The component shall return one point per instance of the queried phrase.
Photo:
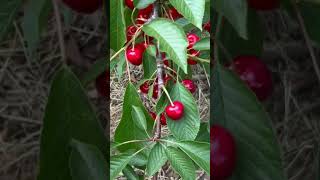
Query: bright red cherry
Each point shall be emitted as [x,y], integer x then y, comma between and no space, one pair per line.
[174,14]
[193,53]
[131,31]
[129,4]
[223,153]
[144,14]
[102,84]
[192,39]
[84,6]
[175,110]
[134,55]
[189,85]
[207,26]
[255,74]
[144,88]
[264,5]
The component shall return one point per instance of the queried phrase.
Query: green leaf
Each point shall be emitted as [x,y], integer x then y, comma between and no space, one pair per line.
[99,67]
[181,163]
[202,45]
[87,162]
[238,110]
[118,163]
[199,152]
[68,115]
[188,126]
[203,135]
[139,117]
[236,13]
[34,21]
[172,40]
[141,4]
[127,129]
[157,158]
[117,25]
[8,11]
[149,64]
[121,64]
[193,10]
[128,171]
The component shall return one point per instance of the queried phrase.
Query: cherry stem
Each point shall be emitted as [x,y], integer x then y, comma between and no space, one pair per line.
[167,94]
[128,142]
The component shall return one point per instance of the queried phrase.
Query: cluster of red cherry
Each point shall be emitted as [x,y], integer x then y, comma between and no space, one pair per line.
[258,78]
[134,55]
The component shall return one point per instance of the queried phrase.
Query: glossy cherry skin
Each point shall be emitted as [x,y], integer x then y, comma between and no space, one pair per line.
[84,6]
[163,119]
[144,14]
[102,84]
[174,14]
[192,39]
[144,88]
[193,53]
[175,111]
[134,55]
[264,5]
[223,153]
[256,75]
[189,85]
[129,3]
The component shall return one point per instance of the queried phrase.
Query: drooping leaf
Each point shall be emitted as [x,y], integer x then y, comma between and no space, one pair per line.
[118,163]
[129,173]
[172,40]
[235,12]
[199,152]
[157,158]
[127,129]
[117,25]
[68,115]
[8,11]
[181,163]
[193,10]
[188,126]
[87,162]
[139,117]
[238,110]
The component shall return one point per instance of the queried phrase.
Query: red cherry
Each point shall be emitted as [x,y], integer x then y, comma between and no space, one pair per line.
[264,5]
[255,74]
[192,39]
[129,4]
[174,14]
[175,110]
[193,53]
[189,85]
[84,6]
[102,84]
[223,153]
[144,88]
[153,115]
[131,31]
[134,55]
[207,26]
[155,92]
[163,120]
[144,14]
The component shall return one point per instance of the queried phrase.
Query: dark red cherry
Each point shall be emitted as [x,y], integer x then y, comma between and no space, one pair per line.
[174,14]
[223,153]
[144,88]
[256,75]
[192,39]
[264,5]
[207,26]
[155,91]
[175,110]
[102,84]
[144,14]
[163,119]
[134,55]
[193,53]
[153,115]
[131,31]
[84,6]
[129,4]
[189,85]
